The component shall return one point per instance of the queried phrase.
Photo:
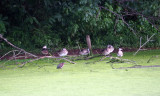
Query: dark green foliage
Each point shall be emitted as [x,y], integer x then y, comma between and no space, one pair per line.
[63,23]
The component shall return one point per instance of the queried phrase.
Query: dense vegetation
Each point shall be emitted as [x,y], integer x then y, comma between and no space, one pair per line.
[63,23]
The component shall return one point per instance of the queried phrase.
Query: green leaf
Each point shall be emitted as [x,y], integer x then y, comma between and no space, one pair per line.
[35,20]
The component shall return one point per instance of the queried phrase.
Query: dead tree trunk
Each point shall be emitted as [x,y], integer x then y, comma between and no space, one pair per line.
[89,43]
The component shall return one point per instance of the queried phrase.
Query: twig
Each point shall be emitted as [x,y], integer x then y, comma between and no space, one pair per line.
[148,21]
[98,12]
[138,66]
[16,46]
[140,41]
[115,25]
[97,52]
[43,58]
[140,14]
[143,44]
[121,17]
[103,58]
[79,47]
[7,53]
[152,58]
[68,60]
[114,59]
[14,55]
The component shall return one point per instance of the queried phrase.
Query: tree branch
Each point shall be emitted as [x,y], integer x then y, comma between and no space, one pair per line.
[121,17]
[143,44]
[16,46]
[46,57]
[142,15]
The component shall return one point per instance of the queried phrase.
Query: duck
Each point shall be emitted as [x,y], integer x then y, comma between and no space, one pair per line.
[44,50]
[120,52]
[84,52]
[108,50]
[63,52]
[111,48]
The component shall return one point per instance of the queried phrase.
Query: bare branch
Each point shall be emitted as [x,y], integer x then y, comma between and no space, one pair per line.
[16,46]
[115,25]
[142,15]
[46,57]
[121,17]
[147,18]
[143,44]
[151,58]
[138,66]
[7,53]
[68,60]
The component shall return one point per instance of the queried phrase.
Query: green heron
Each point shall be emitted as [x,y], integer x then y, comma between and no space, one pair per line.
[84,52]
[63,52]
[120,53]
[59,66]
[44,50]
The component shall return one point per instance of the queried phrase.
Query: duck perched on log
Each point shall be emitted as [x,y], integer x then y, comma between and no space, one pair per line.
[44,50]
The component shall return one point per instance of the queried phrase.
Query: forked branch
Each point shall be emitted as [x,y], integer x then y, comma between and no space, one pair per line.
[121,17]
[148,39]
[21,50]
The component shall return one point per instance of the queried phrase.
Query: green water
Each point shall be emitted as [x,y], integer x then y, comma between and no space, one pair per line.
[82,79]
